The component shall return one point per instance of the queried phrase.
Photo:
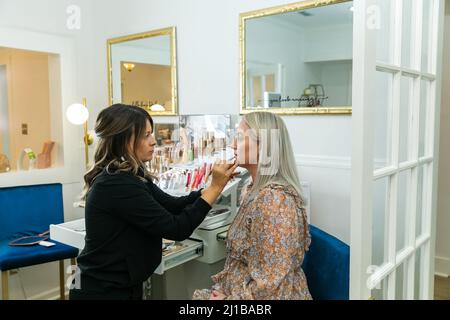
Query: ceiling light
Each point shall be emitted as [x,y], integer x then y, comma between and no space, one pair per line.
[129,66]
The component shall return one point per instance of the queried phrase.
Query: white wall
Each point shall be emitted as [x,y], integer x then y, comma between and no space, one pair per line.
[329,43]
[329,51]
[443,215]
[208,48]
[276,43]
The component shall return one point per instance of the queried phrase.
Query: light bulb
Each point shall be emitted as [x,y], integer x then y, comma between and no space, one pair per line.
[77,114]
[157,107]
[129,66]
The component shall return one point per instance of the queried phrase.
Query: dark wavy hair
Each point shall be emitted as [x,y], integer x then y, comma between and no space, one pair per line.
[115,127]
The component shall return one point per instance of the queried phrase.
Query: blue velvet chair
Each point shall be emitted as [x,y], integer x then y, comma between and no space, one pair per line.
[27,211]
[327,267]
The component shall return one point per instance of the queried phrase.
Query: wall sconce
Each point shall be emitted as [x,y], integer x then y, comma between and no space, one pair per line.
[78,114]
[129,66]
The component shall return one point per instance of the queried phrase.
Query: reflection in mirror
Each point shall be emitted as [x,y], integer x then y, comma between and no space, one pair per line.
[165,133]
[142,71]
[30,110]
[298,58]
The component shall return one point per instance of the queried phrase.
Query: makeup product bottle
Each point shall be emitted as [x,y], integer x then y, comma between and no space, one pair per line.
[191,150]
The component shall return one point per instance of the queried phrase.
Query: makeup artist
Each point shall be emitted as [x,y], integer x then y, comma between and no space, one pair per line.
[126,214]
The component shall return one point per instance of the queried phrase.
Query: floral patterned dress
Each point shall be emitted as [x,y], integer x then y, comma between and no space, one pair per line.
[265,248]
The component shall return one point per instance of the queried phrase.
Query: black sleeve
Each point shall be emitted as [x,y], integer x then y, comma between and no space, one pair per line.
[135,204]
[172,204]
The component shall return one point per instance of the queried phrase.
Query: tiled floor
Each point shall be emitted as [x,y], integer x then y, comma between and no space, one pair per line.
[441,288]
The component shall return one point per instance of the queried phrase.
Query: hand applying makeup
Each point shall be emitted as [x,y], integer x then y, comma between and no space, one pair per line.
[221,174]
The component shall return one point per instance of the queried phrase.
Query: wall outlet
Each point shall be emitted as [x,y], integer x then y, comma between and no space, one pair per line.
[24,128]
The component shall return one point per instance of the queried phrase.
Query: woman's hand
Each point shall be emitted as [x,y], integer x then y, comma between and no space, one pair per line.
[217,295]
[221,173]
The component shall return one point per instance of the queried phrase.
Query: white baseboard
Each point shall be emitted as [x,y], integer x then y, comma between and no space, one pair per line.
[52,294]
[442,266]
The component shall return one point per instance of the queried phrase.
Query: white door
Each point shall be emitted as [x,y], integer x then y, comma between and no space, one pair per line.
[396,108]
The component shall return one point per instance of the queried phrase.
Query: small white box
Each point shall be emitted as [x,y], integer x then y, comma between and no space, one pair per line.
[71,233]
[46,244]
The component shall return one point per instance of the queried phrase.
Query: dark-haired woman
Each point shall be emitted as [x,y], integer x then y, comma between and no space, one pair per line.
[126,214]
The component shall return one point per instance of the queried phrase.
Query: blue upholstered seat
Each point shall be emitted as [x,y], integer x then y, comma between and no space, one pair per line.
[30,210]
[327,267]
[19,257]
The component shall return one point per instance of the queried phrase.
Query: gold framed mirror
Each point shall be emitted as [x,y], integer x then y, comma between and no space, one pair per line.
[142,71]
[298,58]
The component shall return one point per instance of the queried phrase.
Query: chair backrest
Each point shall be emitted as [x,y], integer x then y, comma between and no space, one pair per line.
[327,267]
[29,210]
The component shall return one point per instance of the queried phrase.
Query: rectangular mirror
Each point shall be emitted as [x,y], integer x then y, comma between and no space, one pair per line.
[297,58]
[142,71]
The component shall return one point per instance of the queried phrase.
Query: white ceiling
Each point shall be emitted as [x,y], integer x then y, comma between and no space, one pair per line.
[338,14]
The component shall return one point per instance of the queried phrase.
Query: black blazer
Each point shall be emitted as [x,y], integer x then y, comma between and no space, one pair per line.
[126,220]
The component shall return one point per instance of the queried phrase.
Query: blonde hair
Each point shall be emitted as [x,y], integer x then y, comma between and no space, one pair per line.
[276,163]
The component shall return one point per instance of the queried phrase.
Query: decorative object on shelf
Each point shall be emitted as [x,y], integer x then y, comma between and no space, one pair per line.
[29,154]
[44,158]
[79,114]
[313,96]
[4,163]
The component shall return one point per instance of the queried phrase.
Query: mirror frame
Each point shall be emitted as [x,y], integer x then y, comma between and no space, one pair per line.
[170,31]
[243,17]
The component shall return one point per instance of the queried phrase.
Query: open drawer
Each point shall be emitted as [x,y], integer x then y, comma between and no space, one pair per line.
[182,252]
[71,233]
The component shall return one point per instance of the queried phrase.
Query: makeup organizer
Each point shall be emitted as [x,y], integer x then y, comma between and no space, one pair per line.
[184,165]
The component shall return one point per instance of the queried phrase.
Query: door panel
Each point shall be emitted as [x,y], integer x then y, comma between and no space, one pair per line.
[394,147]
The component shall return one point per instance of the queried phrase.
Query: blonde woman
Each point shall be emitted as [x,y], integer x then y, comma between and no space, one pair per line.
[270,234]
